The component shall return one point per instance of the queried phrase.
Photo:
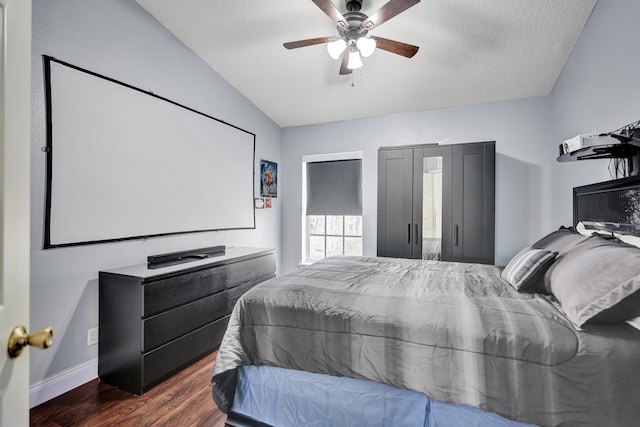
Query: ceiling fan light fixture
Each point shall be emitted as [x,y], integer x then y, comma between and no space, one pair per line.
[336,47]
[353,41]
[355,61]
[366,46]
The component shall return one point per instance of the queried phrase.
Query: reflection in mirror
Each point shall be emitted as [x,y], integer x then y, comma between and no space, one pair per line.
[432,208]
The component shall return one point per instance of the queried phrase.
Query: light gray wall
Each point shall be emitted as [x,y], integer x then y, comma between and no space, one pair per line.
[598,91]
[518,127]
[117,38]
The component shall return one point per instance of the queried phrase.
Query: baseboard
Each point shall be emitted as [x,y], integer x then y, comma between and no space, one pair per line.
[46,390]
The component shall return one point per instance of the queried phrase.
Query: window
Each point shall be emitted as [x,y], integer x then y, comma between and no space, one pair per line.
[329,235]
[333,200]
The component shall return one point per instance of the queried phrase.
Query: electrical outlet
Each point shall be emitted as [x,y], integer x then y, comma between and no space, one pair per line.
[92,336]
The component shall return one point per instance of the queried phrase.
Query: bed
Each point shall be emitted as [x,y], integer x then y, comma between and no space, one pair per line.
[382,341]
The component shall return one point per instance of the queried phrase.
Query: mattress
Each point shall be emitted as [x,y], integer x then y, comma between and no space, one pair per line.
[456,332]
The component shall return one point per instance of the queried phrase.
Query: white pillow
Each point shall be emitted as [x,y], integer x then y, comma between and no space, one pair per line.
[582,229]
[629,239]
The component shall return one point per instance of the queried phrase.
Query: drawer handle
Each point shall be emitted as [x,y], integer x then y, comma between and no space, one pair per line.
[455,235]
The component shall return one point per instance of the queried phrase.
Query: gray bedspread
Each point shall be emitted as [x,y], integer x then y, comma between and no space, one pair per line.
[456,332]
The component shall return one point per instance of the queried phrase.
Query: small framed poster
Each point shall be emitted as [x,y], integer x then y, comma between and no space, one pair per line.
[268,179]
[267,203]
[259,203]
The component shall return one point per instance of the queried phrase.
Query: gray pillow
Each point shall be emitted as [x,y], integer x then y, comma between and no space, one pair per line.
[525,271]
[560,241]
[598,281]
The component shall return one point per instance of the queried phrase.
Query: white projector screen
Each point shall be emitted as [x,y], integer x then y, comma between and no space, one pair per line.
[123,163]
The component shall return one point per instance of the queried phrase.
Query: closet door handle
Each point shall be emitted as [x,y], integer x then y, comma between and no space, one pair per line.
[415,237]
[455,235]
[409,233]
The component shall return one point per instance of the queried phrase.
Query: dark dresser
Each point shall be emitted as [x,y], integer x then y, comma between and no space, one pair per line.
[155,322]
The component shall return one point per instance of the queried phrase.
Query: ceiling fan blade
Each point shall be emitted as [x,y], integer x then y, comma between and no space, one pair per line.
[307,42]
[388,11]
[343,66]
[331,11]
[399,48]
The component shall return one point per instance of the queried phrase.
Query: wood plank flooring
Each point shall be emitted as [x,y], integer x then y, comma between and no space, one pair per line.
[182,400]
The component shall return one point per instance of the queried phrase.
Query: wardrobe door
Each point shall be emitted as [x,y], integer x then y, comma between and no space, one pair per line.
[473,215]
[395,174]
[432,203]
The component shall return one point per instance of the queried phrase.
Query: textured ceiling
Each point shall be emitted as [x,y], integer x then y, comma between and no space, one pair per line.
[471,51]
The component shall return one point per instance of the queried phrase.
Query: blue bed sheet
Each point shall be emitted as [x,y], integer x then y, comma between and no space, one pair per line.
[283,397]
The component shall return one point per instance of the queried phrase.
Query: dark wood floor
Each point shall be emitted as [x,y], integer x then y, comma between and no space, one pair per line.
[182,400]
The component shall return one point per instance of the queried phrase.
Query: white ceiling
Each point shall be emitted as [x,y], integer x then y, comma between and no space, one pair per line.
[471,51]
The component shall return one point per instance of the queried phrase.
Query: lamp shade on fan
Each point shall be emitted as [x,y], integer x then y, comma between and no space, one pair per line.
[336,47]
[354,60]
[366,46]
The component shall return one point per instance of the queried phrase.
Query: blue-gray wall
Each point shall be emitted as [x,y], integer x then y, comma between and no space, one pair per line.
[518,127]
[119,39]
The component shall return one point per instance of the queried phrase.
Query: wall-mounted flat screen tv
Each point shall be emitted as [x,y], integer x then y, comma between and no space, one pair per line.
[123,163]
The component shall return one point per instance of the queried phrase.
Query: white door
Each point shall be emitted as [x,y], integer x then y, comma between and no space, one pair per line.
[15,134]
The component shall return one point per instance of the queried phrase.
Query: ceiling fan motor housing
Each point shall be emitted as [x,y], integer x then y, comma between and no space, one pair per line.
[353,5]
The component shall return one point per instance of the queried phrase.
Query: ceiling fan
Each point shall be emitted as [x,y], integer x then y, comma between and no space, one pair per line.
[353,29]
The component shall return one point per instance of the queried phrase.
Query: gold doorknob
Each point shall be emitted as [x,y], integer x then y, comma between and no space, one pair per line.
[19,339]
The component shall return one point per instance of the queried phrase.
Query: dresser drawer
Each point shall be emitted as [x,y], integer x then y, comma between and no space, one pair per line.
[172,357]
[169,325]
[253,270]
[176,291]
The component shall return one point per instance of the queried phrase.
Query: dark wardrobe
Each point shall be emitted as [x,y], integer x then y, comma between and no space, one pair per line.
[437,202]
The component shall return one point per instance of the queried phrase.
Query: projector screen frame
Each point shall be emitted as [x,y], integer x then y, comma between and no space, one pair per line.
[48,149]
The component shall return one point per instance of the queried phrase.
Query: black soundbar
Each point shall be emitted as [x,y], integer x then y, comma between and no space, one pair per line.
[183,256]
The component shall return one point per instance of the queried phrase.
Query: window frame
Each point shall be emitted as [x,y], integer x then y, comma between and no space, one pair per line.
[305,252]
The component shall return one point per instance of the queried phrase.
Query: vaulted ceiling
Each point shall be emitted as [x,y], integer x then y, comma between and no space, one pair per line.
[471,51]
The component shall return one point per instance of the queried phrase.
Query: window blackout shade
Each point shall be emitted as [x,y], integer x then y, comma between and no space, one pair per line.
[334,187]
